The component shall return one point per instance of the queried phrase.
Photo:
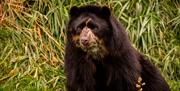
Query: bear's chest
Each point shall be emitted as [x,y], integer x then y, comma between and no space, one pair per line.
[100,77]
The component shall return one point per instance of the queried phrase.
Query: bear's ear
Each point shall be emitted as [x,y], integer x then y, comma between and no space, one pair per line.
[106,11]
[74,11]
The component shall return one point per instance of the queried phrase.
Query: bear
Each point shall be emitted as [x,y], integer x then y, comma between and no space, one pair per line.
[100,57]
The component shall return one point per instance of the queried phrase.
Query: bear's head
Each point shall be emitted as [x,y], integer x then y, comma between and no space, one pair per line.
[89,29]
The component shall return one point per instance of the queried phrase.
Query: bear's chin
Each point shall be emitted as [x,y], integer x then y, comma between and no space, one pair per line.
[96,52]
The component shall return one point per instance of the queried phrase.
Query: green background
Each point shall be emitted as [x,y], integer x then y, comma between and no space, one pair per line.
[32,39]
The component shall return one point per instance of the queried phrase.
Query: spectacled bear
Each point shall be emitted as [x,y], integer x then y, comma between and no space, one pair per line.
[100,57]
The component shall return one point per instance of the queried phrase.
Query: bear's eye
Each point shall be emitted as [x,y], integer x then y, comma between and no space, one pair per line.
[80,27]
[92,26]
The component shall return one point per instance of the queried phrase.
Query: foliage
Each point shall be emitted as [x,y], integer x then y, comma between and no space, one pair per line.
[32,39]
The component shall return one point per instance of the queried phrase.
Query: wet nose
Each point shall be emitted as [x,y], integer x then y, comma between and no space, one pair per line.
[84,41]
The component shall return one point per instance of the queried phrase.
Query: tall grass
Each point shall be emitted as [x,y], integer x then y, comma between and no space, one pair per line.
[32,39]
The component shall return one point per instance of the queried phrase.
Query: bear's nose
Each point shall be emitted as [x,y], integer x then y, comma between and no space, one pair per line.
[84,41]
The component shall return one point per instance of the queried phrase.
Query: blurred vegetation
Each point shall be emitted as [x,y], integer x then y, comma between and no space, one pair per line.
[32,39]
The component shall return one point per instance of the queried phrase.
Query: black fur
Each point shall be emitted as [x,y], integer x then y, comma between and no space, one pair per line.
[117,71]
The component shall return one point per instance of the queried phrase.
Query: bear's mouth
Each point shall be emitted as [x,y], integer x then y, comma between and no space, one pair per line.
[94,48]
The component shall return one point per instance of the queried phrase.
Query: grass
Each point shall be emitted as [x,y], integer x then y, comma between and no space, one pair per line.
[32,39]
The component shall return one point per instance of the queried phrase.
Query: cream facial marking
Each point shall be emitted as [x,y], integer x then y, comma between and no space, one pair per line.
[88,21]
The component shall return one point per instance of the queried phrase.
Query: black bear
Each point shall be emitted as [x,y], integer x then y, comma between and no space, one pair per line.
[100,57]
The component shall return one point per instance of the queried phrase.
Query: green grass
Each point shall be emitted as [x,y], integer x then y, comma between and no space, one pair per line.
[32,39]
